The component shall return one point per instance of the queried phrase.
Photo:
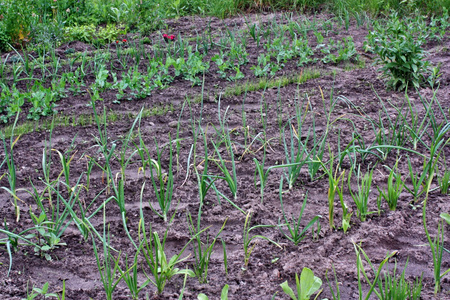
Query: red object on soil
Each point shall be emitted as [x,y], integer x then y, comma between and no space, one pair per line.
[124,40]
[168,37]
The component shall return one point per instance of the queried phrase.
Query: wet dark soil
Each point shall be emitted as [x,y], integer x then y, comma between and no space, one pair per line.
[356,93]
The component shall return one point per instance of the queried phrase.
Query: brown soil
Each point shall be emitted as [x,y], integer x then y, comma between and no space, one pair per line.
[400,230]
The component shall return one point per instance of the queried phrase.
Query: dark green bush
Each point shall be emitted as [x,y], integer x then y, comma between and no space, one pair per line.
[4,40]
[398,45]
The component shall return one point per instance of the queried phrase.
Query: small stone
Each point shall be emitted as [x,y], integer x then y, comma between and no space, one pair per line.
[276,273]
[173,124]
[217,209]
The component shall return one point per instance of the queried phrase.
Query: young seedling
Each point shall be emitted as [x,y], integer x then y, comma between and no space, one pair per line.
[360,254]
[130,276]
[161,269]
[202,251]
[223,294]
[65,163]
[225,257]
[117,182]
[10,163]
[263,176]
[335,294]
[296,235]
[306,286]
[296,153]
[333,188]
[444,182]
[43,292]
[247,239]
[361,197]
[397,287]
[417,181]
[108,268]
[394,189]
[436,244]
[229,176]
[162,182]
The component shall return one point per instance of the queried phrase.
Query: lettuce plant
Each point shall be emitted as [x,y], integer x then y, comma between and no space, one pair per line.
[306,286]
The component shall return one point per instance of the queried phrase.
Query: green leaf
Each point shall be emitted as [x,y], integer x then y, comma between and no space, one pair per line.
[446,217]
[287,289]
[224,294]
[309,284]
[202,296]
[187,272]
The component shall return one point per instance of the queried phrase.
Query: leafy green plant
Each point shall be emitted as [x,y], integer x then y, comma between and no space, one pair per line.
[302,52]
[45,236]
[161,269]
[11,100]
[43,292]
[90,34]
[75,80]
[195,66]
[400,52]
[265,66]
[307,285]
[446,217]
[42,100]
[238,53]
[336,52]
[5,40]
[237,76]
[190,67]
[393,189]
[220,59]
[281,49]
[296,234]
[83,33]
